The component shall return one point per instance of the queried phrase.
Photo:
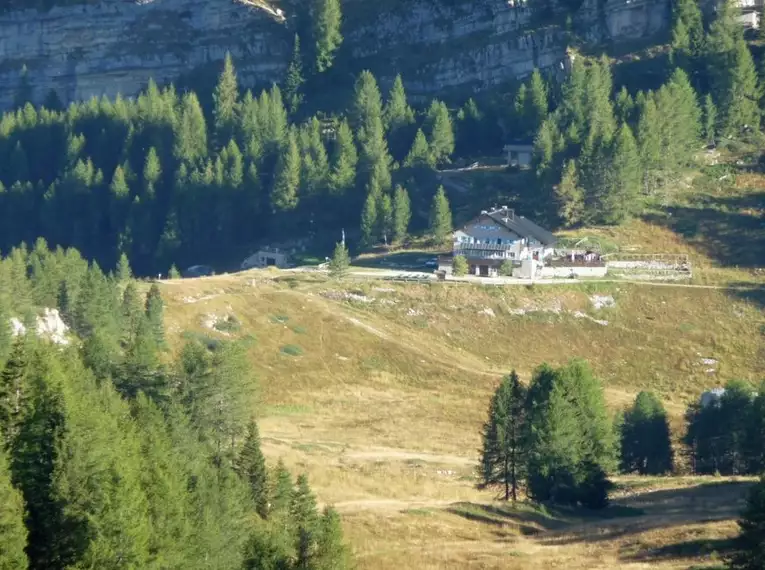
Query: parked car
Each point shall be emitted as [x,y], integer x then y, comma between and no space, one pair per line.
[432,262]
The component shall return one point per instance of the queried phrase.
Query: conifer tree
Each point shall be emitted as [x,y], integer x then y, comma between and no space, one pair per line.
[710,119]
[152,171]
[755,433]
[687,27]
[569,196]
[503,455]
[6,336]
[397,112]
[225,102]
[281,489]
[124,273]
[13,533]
[305,519]
[132,311]
[293,82]
[326,19]
[419,154]
[749,554]
[315,166]
[155,313]
[440,132]
[284,195]
[650,144]
[344,160]
[440,226]
[190,141]
[340,262]
[402,213]
[369,219]
[459,266]
[385,217]
[331,552]
[737,90]
[531,102]
[645,439]
[624,105]
[14,390]
[251,466]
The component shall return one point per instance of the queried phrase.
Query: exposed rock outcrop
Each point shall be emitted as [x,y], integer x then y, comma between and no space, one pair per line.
[115,46]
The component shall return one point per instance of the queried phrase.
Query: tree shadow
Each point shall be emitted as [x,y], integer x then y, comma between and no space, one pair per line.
[686,549]
[404,261]
[728,230]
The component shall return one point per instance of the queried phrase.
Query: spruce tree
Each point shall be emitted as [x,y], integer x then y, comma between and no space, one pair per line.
[687,27]
[251,466]
[503,454]
[305,521]
[344,160]
[13,533]
[14,390]
[440,224]
[326,19]
[737,90]
[340,262]
[419,154]
[749,553]
[645,438]
[284,194]
[225,100]
[569,196]
[293,82]
[402,213]
[281,489]
[440,132]
[624,106]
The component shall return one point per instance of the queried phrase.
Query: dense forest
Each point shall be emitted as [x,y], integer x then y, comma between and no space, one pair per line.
[165,179]
[113,454]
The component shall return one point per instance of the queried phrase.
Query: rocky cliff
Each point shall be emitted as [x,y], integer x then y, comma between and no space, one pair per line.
[115,46]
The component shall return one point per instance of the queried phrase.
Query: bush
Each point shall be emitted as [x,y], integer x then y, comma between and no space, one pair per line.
[459,266]
[291,350]
[506,269]
[228,325]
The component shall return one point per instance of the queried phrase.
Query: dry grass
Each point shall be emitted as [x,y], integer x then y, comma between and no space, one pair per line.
[380,399]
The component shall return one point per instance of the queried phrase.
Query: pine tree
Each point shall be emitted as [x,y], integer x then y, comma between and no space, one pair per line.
[397,113]
[569,196]
[293,82]
[749,554]
[341,261]
[13,533]
[369,219]
[503,455]
[645,438]
[402,213]
[251,466]
[190,141]
[440,226]
[284,195]
[326,19]
[155,313]
[173,273]
[124,273]
[344,160]
[419,154]
[225,103]
[440,132]
[331,552]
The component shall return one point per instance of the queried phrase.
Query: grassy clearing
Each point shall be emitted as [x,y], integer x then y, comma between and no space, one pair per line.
[383,405]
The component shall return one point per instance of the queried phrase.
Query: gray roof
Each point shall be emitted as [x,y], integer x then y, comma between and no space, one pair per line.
[522,226]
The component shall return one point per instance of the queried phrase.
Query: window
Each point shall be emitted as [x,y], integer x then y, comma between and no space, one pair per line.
[499,241]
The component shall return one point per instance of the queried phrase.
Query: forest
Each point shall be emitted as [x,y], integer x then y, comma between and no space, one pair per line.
[113,454]
[168,180]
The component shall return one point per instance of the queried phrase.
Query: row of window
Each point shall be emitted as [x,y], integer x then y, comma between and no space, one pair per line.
[492,241]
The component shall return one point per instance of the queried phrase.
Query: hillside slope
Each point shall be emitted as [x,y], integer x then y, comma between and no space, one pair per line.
[378,390]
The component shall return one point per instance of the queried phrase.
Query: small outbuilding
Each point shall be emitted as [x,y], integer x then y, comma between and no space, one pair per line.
[267,257]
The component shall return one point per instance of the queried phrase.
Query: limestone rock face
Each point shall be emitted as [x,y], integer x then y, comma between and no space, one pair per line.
[116,46]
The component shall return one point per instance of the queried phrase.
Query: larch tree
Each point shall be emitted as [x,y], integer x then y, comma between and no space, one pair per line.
[340,262]
[284,194]
[569,196]
[13,532]
[402,213]
[326,21]
[440,224]
[155,314]
[440,132]
[190,144]
[225,100]
[749,553]
[397,112]
[645,437]
[504,437]
[687,27]
[369,218]
[294,80]
[531,102]
[710,119]
[331,551]
[124,273]
[419,154]
[344,160]
[251,466]
[384,217]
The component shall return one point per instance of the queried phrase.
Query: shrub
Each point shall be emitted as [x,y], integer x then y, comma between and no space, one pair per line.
[459,266]
[506,269]
[291,350]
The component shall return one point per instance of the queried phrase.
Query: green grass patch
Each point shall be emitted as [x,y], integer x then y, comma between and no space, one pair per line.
[418,512]
[279,319]
[297,329]
[228,325]
[291,350]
